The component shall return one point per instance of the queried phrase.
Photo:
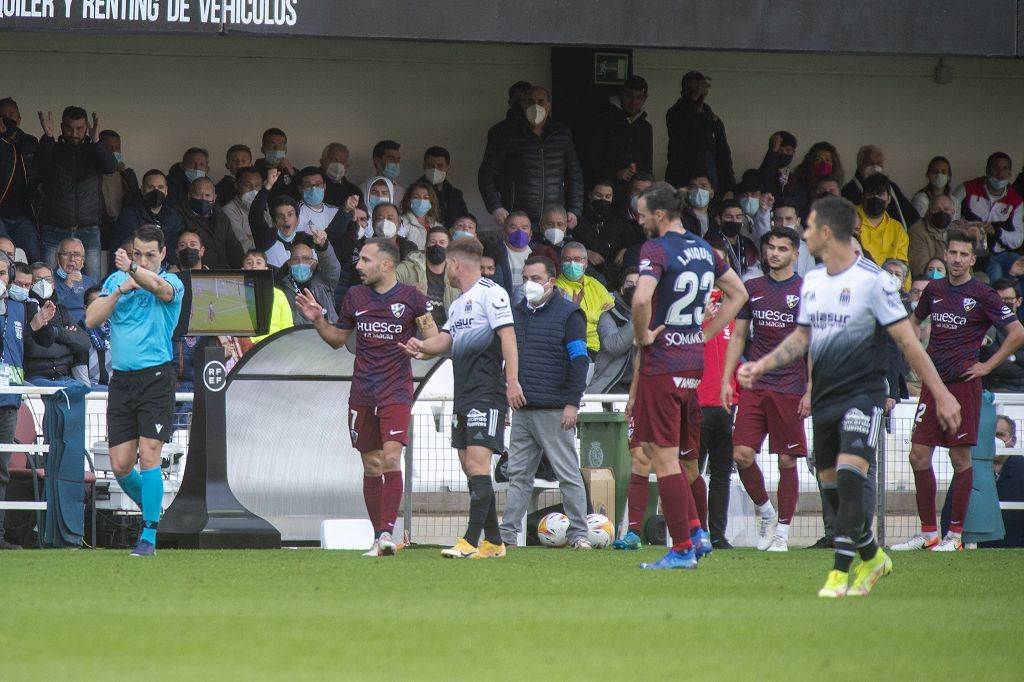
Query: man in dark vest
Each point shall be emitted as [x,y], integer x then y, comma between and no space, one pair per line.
[551,334]
[14,317]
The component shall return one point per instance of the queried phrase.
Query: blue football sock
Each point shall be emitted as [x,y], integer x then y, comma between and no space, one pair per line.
[152,498]
[132,486]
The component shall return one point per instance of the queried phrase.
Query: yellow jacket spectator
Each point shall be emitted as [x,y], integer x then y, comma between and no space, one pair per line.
[586,292]
[881,235]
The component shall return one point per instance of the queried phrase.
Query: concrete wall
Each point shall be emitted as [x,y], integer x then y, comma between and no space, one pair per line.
[166,93]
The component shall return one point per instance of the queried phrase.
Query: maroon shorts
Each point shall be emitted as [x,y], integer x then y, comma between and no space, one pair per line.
[667,413]
[776,415]
[371,427]
[928,431]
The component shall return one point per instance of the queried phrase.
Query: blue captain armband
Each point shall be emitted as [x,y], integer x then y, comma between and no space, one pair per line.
[577,348]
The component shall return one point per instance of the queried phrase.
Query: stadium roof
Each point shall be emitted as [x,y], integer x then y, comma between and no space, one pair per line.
[909,27]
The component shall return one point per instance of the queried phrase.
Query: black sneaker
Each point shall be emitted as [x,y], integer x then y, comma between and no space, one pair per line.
[8,545]
[721,543]
[823,543]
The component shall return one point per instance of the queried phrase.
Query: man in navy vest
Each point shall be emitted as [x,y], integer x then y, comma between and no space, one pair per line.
[551,334]
[13,315]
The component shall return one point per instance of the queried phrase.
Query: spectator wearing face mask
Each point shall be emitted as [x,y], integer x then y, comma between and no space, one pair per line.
[190,251]
[752,197]
[881,235]
[821,161]
[426,271]
[927,237]
[531,164]
[70,345]
[69,280]
[743,254]
[315,214]
[512,252]
[151,208]
[586,292]
[201,213]
[871,161]
[247,184]
[347,247]
[637,185]
[622,141]
[274,146]
[334,165]
[938,174]
[605,233]
[464,226]
[312,267]
[697,145]
[420,212]
[451,204]
[613,366]
[991,201]
[239,156]
[194,164]
[70,171]
[17,154]
[699,194]
[118,188]
[387,163]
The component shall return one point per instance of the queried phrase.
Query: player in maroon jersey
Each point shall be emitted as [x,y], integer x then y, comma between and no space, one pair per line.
[778,402]
[383,314]
[961,309]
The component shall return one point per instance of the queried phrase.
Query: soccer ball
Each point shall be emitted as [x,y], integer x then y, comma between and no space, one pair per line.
[600,531]
[552,529]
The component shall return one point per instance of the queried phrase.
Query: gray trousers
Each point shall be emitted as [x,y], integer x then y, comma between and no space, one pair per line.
[8,422]
[536,433]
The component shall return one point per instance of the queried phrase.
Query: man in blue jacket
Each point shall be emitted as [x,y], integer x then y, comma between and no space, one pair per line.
[551,334]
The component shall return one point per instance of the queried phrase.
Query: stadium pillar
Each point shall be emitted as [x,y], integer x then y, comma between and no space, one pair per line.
[205,513]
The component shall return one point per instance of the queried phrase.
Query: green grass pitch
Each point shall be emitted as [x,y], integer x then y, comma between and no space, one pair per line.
[232,312]
[537,615]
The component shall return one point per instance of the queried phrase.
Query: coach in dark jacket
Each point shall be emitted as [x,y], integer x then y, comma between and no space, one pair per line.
[70,171]
[551,334]
[536,162]
[696,138]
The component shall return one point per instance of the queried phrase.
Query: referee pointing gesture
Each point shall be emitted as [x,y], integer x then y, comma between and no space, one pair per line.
[142,303]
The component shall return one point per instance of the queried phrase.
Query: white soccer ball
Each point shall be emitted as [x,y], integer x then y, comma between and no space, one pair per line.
[552,529]
[600,531]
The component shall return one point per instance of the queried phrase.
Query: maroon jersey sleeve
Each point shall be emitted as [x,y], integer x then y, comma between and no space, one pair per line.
[652,260]
[997,312]
[924,306]
[721,265]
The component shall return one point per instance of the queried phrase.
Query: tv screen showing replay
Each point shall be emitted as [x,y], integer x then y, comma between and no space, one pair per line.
[230,302]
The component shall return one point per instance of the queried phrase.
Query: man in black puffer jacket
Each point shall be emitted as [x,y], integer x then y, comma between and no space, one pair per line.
[70,171]
[530,164]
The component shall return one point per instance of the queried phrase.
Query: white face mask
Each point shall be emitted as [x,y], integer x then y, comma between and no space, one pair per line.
[872,170]
[385,228]
[554,235]
[367,232]
[3,289]
[534,292]
[403,230]
[938,180]
[435,176]
[248,197]
[42,289]
[1000,444]
[335,171]
[536,114]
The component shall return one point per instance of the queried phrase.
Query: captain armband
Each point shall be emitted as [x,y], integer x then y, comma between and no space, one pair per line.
[426,322]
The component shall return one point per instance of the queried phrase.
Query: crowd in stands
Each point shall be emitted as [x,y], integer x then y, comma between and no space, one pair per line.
[68,196]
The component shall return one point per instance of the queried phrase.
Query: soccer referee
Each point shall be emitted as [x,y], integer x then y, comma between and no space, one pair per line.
[142,303]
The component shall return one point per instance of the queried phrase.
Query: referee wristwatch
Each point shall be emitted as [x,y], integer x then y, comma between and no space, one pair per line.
[133,268]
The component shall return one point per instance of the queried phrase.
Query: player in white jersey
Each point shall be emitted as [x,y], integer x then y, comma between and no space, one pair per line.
[847,305]
[480,337]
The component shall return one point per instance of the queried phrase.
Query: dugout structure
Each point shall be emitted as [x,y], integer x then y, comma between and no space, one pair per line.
[270,456]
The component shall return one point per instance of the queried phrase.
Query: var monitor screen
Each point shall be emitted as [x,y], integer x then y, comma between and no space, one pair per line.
[229,302]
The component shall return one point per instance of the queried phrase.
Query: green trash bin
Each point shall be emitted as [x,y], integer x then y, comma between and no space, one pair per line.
[604,444]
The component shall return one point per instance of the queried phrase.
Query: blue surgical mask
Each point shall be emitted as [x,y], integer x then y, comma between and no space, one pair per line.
[572,270]
[274,157]
[750,205]
[194,174]
[699,198]
[290,238]
[459,234]
[391,171]
[420,207]
[373,200]
[61,273]
[117,157]
[17,293]
[996,183]
[314,196]
[932,273]
[301,272]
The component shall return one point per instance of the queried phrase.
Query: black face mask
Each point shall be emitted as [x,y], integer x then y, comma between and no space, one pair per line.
[627,295]
[940,220]
[874,206]
[188,257]
[154,198]
[601,206]
[785,160]
[200,206]
[731,228]
[823,194]
[436,254]
[10,124]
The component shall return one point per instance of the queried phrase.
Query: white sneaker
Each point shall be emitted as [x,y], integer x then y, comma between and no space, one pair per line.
[950,543]
[387,545]
[919,541]
[764,531]
[582,543]
[374,549]
[779,544]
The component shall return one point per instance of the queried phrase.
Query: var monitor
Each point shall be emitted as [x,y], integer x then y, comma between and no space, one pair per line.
[228,302]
